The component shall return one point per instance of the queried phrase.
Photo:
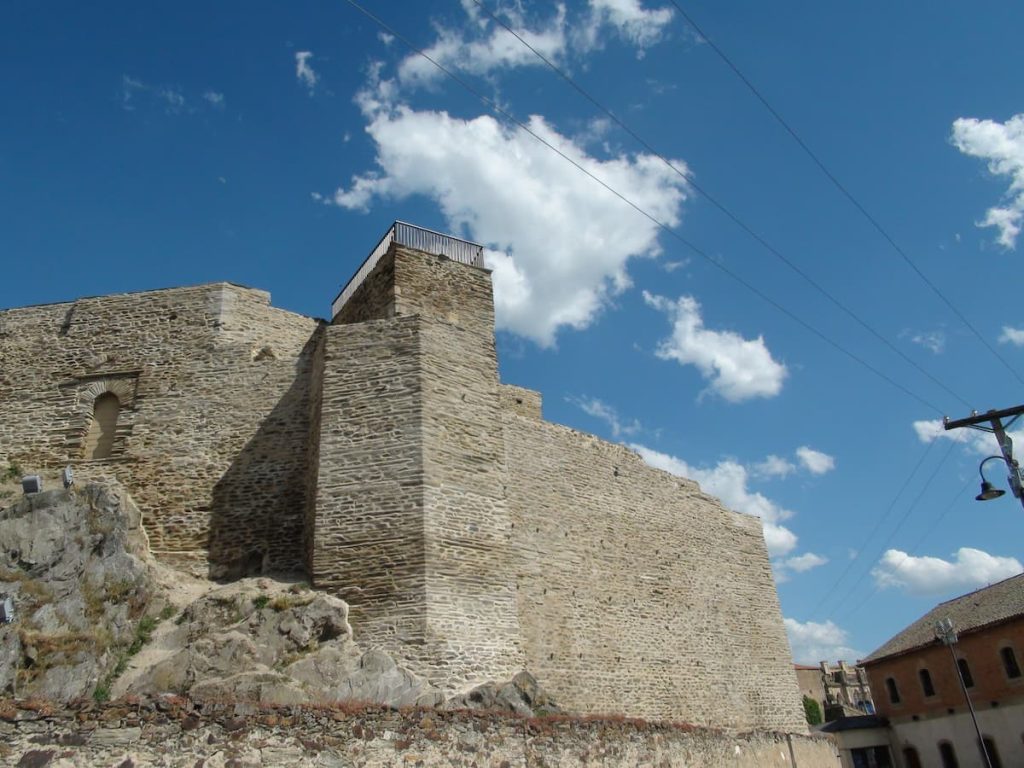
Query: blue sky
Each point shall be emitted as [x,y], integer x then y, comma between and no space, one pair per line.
[272,145]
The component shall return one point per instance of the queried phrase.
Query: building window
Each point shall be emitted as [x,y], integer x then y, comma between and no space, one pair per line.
[948,755]
[910,758]
[993,755]
[1009,662]
[894,693]
[965,673]
[926,682]
[99,440]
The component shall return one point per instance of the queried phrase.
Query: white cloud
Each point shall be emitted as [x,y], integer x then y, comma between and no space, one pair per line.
[385,38]
[498,49]
[173,100]
[976,441]
[736,368]
[635,24]
[136,93]
[929,576]
[130,87]
[1013,336]
[815,462]
[796,564]
[484,47]
[812,642]
[558,242]
[601,410]
[773,466]
[1002,145]
[933,341]
[805,562]
[728,481]
[304,72]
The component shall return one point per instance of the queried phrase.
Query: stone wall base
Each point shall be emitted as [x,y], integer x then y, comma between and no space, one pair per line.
[169,732]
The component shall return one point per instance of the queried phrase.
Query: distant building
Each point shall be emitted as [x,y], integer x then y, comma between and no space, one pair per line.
[840,690]
[809,680]
[915,678]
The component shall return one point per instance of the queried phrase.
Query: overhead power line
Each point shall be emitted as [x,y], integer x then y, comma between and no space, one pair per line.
[878,525]
[717,203]
[845,192]
[907,556]
[899,525]
[643,212]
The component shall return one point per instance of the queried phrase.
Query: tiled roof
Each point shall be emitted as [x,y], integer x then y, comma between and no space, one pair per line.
[989,605]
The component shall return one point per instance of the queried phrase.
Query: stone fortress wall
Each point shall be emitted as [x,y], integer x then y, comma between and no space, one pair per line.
[381,454]
[212,436]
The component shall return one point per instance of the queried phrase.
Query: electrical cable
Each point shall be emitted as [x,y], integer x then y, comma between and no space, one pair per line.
[878,525]
[718,204]
[846,193]
[899,525]
[657,222]
[916,547]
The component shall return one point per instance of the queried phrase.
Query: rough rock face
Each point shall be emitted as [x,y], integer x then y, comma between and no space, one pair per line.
[73,561]
[96,616]
[521,695]
[258,640]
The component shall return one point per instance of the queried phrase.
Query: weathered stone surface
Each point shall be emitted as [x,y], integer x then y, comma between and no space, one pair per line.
[73,562]
[522,695]
[260,641]
[213,432]
[381,739]
[382,454]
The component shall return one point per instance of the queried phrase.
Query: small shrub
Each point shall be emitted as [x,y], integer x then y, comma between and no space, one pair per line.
[93,599]
[167,612]
[143,634]
[102,692]
[812,711]
[13,471]
[117,591]
[260,602]
[281,603]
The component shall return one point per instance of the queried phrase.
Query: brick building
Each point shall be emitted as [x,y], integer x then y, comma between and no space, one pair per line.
[915,680]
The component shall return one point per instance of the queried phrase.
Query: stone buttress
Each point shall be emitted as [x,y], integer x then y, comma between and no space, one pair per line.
[412,525]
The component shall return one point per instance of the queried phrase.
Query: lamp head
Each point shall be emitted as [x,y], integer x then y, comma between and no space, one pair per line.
[988,491]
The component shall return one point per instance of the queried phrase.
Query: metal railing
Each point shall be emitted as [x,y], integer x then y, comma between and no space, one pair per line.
[411,236]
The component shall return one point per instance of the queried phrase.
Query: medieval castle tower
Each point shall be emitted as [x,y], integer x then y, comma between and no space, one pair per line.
[380,454]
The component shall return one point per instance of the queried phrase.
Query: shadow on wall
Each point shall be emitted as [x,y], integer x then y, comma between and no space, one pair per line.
[258,506]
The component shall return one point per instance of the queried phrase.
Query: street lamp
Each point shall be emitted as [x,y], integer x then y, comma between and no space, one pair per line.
[997,428]
[946,632]
[988,491]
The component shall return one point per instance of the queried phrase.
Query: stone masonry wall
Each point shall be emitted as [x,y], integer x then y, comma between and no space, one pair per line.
[171,733]
[471,566]
[638,593]
[412,524]
[381,452]
[213,384]
[368,540]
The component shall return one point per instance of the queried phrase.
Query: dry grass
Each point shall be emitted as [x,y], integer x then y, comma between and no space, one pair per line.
[34,591]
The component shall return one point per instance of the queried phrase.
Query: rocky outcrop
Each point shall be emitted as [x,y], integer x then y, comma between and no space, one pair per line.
[97,617]
[74,563]
[262,641]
